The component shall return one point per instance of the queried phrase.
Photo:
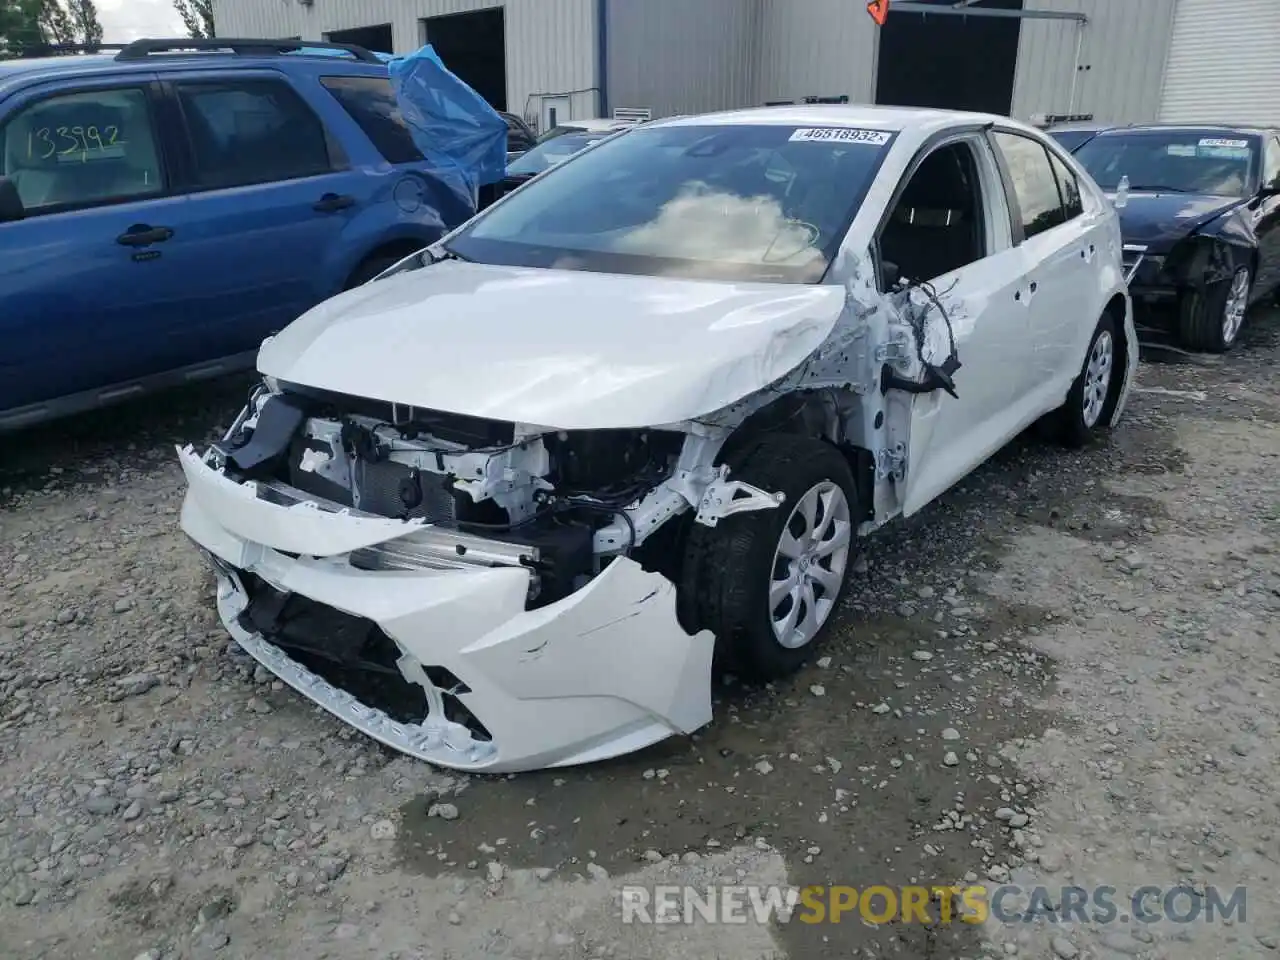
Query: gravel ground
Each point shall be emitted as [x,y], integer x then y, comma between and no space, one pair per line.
[1058,674]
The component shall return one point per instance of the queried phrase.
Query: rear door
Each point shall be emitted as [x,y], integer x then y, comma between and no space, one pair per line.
[1060,249]
[270,194]
[85,284]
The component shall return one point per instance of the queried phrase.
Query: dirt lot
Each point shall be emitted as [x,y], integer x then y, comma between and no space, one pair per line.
[1062,673]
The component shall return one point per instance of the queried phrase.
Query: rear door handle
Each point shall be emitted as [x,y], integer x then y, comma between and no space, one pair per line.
[143,235]
[332,201]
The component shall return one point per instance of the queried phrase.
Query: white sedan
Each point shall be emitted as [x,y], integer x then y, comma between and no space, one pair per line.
[502,506]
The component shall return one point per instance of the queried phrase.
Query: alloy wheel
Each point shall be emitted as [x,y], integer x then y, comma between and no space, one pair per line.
[809,564]
[1097,377]
[1236,305]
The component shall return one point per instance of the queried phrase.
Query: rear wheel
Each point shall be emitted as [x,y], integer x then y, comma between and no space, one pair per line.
[1210,318]
[767,582]
[1092,396]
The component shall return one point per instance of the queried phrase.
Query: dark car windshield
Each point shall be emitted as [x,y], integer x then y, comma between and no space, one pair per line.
[1202,162]
[550,152]
[734,202]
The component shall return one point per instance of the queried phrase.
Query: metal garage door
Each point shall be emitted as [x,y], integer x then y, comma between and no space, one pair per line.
[1224,63]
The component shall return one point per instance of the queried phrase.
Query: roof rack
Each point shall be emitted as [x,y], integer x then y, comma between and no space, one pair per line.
[257,47]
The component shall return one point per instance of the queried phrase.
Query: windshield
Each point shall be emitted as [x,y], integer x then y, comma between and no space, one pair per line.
[550,152]
[1202,162]
[731,202]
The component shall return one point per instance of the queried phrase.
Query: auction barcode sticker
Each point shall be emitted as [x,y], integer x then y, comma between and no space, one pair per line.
[842,135]
[1218,142]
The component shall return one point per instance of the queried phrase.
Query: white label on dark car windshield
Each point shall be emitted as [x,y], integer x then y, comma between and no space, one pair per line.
[1219,142]
[876,138]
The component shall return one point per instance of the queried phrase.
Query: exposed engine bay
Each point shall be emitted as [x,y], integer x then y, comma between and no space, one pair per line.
[561,503]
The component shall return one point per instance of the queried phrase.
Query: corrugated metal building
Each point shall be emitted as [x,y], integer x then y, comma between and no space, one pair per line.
[1117,60]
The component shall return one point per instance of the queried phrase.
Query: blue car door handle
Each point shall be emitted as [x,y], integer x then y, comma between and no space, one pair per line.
[331,202]
[143,235]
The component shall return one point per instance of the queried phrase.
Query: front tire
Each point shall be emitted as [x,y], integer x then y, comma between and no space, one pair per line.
[767,582]
[1093,392]
[1211,318]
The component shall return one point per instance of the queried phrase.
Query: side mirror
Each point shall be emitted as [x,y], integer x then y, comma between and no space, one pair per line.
[11,207]
[1270,189]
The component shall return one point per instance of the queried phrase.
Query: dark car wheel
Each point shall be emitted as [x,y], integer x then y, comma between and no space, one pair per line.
[767,582]
[1210,318]
[1094,391]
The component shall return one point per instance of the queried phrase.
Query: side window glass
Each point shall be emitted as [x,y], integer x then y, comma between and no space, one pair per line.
[938,223]
[1069,186]
[1033,183]
[251,131]
[371,102]
[82,149]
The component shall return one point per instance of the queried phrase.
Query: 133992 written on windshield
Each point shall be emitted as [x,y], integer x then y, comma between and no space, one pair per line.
[47,142]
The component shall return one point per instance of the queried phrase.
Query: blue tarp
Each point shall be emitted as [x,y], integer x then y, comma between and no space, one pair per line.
[460,135]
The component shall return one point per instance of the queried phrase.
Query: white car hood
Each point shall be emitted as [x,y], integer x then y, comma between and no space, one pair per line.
[555,348]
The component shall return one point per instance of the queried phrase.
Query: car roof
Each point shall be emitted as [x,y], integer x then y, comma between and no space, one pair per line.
[1079,126]
[1246,129]
[23,70]
[883,118]
[595,124]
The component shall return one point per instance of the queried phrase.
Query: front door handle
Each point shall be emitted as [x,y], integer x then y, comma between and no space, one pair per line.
[331,202]
[143,235]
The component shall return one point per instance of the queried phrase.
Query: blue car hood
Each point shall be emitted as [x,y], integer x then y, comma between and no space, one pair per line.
[1159,220]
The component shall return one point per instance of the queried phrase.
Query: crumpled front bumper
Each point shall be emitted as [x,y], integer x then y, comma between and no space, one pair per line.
[602,672]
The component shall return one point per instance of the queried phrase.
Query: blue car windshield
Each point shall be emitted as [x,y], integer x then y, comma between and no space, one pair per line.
[763,202]
[1206,162]
[556,150]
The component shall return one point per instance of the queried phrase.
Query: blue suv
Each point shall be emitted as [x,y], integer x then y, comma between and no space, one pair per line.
[164,209]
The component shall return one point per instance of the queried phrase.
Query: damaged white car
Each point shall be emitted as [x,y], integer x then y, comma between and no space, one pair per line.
[499,507]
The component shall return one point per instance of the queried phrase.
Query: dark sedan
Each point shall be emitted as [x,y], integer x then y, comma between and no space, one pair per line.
[1201,220]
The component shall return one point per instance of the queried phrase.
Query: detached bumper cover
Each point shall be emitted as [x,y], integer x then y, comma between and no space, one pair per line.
[603,672]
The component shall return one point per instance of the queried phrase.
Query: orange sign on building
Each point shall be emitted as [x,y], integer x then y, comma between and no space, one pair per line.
[879,10]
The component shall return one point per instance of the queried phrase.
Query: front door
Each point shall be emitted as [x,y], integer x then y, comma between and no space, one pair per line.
[85,286]
[950,229]
[1266,222]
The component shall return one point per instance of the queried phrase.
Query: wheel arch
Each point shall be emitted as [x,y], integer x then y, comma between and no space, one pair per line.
[1117,308]
[394,249]
[823,414]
